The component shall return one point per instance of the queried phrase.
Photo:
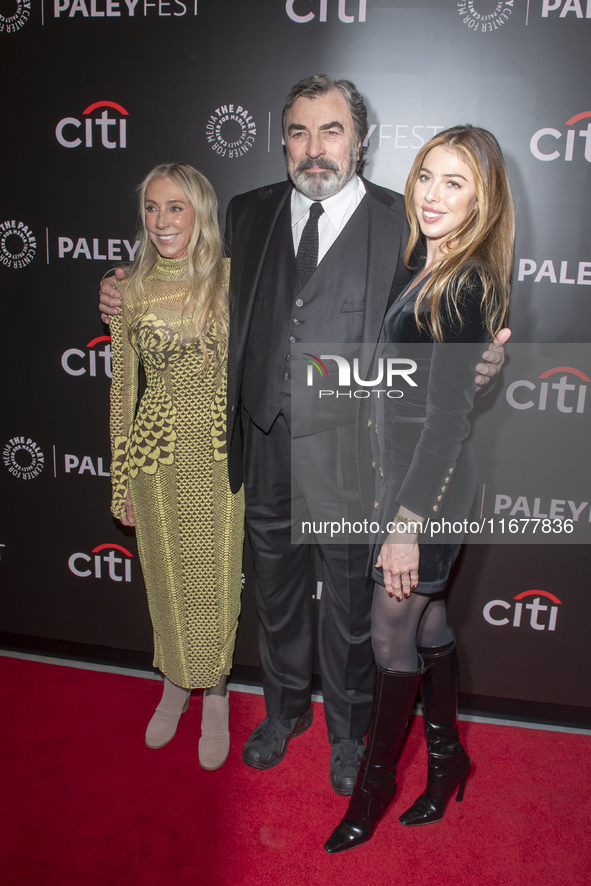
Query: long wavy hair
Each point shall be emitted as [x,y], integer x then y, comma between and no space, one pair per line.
[205,308]
[484,242]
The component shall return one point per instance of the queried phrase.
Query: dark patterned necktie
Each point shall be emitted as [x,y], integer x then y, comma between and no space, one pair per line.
[307,256]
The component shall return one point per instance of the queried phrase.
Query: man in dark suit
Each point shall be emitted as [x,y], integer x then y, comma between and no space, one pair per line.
[315,259]
[361,236]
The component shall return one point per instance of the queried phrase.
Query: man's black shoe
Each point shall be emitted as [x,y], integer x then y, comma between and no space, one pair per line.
[344,763]
[267,746]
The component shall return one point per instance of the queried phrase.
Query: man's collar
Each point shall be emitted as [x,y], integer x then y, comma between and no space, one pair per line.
[335,207]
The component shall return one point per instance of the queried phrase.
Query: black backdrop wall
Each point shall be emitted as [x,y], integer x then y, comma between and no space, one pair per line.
[94,93]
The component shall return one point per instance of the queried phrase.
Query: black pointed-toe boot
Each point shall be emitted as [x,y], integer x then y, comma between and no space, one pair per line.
[449,764]
[376,781]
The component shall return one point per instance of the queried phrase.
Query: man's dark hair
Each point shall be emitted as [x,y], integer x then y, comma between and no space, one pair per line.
[320,84]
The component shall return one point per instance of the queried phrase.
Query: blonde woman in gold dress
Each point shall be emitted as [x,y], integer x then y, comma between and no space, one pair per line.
[169,463]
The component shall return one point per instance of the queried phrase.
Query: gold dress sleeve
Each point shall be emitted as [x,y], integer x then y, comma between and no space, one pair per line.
[124,389]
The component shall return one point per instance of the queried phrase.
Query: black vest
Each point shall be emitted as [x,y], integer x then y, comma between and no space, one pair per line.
[329,308]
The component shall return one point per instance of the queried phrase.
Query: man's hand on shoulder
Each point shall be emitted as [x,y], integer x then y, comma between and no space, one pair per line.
[110,297]
[493,358]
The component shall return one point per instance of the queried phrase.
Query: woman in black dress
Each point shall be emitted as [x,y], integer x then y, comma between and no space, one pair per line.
[458,198]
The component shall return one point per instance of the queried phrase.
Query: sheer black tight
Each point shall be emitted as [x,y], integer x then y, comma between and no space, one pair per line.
[398,628]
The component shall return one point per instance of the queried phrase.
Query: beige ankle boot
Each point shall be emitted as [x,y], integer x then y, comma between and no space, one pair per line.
[214,744]
[162,727]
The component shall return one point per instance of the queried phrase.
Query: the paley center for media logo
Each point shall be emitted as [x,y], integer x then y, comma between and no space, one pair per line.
[17,244]
[14,19]
[231,131]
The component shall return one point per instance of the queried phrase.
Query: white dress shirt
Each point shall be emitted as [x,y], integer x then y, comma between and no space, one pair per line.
[337,212]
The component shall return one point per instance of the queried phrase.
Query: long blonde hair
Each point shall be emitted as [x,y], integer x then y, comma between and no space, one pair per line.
[205,308]
[484,242]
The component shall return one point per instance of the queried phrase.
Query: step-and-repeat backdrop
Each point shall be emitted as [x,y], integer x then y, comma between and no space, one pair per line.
[96,92]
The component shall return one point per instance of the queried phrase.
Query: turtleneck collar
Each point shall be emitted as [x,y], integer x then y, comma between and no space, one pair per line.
[175,269]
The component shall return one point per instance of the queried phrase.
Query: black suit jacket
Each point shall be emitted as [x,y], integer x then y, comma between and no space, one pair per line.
[250,221]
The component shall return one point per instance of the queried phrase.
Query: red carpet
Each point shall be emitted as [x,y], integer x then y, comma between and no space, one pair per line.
[85,803]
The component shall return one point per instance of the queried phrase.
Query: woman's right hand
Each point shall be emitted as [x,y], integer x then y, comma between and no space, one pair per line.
[399,562]
[110,297]
[129,519]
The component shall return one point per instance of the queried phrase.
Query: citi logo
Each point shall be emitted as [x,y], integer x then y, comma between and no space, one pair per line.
[118,568]
[103,122]
[565,7]
[568,398]
[77,362]
[541,152]
[535,607]
[321,7]
[528,267]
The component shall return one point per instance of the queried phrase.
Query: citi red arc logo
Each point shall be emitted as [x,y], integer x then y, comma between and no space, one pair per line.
[565,400]
[578,372]
[536,608]
[77,362]
[78,563]
[104,122]
[541,152]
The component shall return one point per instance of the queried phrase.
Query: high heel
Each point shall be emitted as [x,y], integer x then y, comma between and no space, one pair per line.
[449,764]
[163,725]
[462,787]
[376,781]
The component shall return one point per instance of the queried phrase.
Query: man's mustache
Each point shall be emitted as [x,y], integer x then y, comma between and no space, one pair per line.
[322,162]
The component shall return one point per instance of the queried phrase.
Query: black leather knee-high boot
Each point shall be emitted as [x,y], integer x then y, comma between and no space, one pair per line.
[449,764]
[376,781]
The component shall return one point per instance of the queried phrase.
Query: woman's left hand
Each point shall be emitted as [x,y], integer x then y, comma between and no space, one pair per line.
[400,564]
[129,519]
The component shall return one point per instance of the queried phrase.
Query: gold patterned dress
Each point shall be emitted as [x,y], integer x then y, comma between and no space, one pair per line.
[171,454]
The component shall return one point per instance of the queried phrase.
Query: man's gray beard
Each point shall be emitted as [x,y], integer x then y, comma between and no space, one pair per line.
[321,185]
